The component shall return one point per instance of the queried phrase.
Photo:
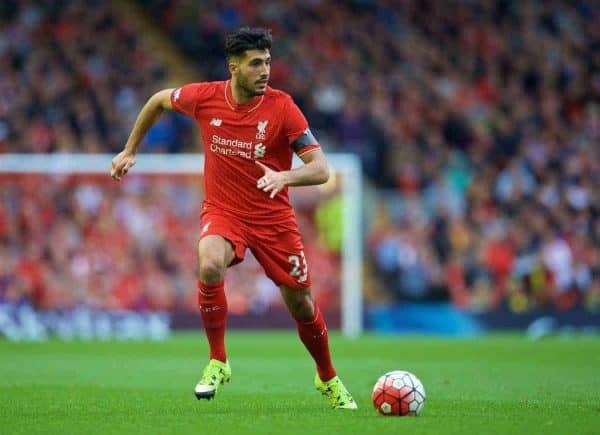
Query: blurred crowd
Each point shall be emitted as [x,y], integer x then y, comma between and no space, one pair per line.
[73,240]
[73,75]
[477,122]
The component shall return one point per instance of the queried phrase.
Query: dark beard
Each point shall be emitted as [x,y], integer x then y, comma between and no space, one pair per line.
[248,90]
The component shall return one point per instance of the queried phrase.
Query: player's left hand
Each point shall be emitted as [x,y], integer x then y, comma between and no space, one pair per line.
[272,181]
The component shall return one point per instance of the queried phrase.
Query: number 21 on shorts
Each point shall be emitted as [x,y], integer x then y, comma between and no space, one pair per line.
[299,267]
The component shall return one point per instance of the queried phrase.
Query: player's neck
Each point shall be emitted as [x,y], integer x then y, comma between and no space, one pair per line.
[240,96]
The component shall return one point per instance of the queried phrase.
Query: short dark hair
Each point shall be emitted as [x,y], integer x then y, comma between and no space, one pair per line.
[247,38]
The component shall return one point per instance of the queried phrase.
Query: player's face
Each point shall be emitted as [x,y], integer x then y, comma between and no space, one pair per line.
[253,70]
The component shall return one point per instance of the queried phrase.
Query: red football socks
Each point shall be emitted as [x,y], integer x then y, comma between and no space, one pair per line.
[314,336]
[213,310]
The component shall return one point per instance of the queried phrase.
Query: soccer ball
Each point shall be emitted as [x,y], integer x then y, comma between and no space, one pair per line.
[398,393]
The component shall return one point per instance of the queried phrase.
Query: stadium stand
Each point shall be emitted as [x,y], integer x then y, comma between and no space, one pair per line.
[477,123]
[74,75]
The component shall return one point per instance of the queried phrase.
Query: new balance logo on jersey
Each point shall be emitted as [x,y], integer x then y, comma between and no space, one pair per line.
[259,150]
[261,127]
[216,122]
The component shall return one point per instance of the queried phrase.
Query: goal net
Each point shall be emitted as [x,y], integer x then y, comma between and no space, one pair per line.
[72,237]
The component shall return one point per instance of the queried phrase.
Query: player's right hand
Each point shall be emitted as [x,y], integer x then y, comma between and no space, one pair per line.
[121,164]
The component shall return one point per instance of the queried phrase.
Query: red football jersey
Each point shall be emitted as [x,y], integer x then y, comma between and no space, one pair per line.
[269,129]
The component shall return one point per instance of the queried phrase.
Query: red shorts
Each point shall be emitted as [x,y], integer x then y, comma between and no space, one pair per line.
[278,248]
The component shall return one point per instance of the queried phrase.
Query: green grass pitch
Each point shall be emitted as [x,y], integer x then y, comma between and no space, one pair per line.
[499,384]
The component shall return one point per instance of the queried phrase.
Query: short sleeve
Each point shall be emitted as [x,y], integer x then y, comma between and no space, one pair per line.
[296,129]
[186,99]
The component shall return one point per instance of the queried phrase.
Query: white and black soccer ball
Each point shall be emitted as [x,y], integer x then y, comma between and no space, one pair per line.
[398,393]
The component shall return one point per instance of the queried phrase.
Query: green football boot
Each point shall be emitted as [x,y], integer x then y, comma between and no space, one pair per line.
[339,396]
[215,374]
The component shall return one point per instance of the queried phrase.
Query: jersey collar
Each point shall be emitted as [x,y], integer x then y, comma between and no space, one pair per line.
[249,107]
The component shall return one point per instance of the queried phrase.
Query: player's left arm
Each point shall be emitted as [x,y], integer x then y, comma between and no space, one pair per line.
[315,170]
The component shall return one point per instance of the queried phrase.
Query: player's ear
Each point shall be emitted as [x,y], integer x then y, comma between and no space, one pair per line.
[233,65]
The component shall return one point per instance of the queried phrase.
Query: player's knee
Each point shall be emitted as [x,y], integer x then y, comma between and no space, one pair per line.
[212,270]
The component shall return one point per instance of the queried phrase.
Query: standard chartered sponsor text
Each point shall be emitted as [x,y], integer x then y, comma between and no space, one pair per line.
[231,147]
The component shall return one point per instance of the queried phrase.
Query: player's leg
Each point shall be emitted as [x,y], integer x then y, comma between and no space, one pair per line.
[282,257]
[219,247]
[214,255]
[312,330]
[311,327]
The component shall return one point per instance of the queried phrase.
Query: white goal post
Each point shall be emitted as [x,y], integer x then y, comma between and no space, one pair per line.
[351,188]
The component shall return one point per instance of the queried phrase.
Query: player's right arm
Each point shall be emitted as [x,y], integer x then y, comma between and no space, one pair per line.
[148,116]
